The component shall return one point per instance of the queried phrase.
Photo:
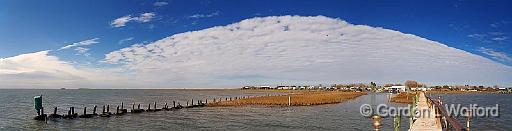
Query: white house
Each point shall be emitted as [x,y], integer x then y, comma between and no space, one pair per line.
[396,88]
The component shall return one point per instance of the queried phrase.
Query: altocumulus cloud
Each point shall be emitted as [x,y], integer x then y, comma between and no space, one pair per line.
[303,49]
[267,50]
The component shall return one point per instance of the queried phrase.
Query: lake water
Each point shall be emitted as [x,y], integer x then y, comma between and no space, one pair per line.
[17,112]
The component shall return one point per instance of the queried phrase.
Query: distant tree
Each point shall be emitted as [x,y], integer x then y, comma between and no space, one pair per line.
[410,84]
[373,86]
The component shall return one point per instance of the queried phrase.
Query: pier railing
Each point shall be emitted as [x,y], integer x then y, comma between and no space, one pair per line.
[449,123]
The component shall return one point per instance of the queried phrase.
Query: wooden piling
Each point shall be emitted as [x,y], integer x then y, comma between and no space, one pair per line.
[55,115]
[94,110]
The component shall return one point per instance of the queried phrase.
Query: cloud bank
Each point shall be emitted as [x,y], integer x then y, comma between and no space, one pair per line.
[283,49]
[304,49]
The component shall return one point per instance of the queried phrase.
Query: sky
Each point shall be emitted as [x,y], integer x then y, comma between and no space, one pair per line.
[75,43]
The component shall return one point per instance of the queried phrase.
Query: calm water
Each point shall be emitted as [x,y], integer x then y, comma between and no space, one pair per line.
[17,112]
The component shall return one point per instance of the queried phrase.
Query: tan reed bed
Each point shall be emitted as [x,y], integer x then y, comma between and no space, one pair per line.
[297,99]
[403,97]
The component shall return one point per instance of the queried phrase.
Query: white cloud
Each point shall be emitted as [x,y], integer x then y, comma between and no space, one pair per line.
[205,15]
[142,18]
[502,38]
[121,21]
[81,43]
[501,56]
[41,70]
[268,50]
[160,3]
[272,50]
[122,41]
[82,51]
[490,37]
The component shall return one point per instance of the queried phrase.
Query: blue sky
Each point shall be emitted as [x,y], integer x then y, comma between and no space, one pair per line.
[481,27]
[34,25]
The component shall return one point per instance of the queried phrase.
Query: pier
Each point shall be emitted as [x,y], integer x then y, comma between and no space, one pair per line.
[426,119]
[427,115]
[432,116]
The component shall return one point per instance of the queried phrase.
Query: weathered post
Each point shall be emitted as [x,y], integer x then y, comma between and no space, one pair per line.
[192,102]
[85,110]
[187,103]
[165,105]
[133,106]
[173,103]
[122,105]
[468,120]
[396,121]
[73,110]
[94,110]
[213,100]
[108,108]
[376,122]
[206,101]
[289,100]
[55,110]
[149,106]
[103,111]
[138,107]
[154,106]
[117,110]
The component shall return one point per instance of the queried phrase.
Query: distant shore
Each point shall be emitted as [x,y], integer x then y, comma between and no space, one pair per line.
[408,97]
[295,98]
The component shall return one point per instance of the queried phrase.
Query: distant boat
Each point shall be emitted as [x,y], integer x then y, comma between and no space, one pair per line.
[62,88]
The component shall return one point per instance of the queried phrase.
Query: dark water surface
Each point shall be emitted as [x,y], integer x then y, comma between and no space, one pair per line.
[17,111]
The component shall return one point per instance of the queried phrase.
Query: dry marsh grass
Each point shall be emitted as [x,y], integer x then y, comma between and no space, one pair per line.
[403,97]
[297,99]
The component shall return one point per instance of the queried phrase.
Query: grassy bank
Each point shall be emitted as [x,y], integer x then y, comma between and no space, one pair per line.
[296,99]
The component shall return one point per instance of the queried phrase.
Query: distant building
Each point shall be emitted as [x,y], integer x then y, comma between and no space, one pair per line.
[396,88]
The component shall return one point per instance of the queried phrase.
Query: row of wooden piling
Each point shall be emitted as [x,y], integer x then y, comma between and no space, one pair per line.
[120,110]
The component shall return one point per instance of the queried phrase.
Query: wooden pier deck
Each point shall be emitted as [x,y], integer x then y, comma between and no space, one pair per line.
[426,120]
